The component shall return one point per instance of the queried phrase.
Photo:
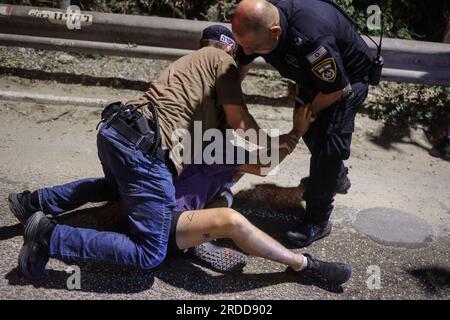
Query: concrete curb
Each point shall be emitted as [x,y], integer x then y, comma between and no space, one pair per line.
[51,99]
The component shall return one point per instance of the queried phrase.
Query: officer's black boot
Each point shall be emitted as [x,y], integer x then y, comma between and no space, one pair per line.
[328,275]
[342,186]
[35,251]
[23,205]
[442,149]
[307,232]
[343,183]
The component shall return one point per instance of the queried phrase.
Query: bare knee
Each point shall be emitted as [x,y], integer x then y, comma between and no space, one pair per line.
[234,222]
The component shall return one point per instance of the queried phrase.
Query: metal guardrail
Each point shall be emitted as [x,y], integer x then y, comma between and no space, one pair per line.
[166,38]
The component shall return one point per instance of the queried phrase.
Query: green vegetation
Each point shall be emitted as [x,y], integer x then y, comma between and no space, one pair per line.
[411,104]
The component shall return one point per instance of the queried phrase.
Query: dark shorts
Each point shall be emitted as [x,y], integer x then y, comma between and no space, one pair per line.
[172,248]
[194,188]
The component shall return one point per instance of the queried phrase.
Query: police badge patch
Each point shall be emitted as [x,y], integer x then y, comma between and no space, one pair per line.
[326,70]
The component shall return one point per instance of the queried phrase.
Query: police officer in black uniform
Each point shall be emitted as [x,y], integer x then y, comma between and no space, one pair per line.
[312,43]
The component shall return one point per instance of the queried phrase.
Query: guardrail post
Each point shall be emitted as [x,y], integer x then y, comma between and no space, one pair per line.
[64,4]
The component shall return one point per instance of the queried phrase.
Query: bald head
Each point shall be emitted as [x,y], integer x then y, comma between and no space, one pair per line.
[256,26]
[256,16]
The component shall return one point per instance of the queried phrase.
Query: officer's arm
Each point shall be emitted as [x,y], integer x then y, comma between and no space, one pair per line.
[243,70]
[324,100]
[240,120]
[263,169]
[244,61]
[302,121]
[327,73]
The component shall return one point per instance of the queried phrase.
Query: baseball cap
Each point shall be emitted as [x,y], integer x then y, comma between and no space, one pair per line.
[219,33]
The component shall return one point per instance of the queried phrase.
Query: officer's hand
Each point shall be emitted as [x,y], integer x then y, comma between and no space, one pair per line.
[288,142]
[302,119]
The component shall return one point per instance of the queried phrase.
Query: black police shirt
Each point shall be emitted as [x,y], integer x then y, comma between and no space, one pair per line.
[319,48]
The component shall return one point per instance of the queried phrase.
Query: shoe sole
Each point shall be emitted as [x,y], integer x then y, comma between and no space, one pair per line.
[16,208]
[223,260]
[230,261]
[29,237]
[301,244]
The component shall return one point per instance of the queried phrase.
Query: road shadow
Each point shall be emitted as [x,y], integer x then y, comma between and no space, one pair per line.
[106,217]
[70,78]
[269,101]
[434,279]
[269,196]
[181,272]
[9,232]
[94,278]
[185,274]
[394,134]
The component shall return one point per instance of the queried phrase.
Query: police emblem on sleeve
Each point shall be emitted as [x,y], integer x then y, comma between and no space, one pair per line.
[326,70]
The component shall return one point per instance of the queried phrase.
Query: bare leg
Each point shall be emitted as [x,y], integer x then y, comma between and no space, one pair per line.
[197,227]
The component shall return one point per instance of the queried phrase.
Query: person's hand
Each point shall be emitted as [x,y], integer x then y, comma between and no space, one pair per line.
[288,142]
[302,119]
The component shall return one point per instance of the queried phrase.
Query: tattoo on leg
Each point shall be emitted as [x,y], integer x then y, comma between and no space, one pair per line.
[206,235]
[191,216]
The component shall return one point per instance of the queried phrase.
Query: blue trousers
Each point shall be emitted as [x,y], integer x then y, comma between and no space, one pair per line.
[144,187]
[329,139]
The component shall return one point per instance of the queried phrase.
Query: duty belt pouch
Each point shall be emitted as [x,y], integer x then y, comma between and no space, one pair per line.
[111,109]
[141,125]
[375,71]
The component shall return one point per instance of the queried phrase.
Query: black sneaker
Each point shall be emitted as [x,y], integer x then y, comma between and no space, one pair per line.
[21,206]
[442,149]
[307,233]
[35,254]
[342,187]
[219,258]
[327,275]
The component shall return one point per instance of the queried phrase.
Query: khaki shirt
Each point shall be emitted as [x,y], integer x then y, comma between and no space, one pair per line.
[193,88]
